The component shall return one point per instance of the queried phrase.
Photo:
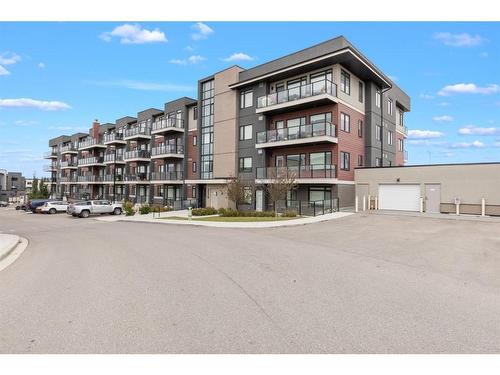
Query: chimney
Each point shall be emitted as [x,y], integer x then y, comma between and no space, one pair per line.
[94,132]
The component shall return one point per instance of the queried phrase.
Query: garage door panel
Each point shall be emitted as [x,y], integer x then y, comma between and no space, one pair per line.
[399,197]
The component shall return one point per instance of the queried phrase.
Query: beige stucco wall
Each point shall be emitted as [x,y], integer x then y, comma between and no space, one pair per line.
[192,123]
[469,182]
[216,196]
[225,123]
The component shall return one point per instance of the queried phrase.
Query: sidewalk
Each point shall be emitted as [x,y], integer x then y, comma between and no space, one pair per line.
[486,219]
[8,243]
[266,224]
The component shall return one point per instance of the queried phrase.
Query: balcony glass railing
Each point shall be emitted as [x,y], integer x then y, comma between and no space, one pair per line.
[167,149]
[68,164]
[167,176]
[89,142]
[68,148]
[301,92]
[303,171]
[110,158]
[90,178]
[167,123]
[90,160]
[111,137]
[50,168]
[137,177]
[316,129]
[50,154]
[137,131]
[405,153]
[136,154]
[110,178]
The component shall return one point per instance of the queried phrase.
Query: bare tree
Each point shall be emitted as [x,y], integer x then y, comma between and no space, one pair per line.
[281,182]
[235,190]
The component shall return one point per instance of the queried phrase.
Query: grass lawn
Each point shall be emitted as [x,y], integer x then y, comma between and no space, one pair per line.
[242,219]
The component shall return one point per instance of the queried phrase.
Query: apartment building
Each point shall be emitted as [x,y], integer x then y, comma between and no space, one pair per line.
[12,185]
[315,115]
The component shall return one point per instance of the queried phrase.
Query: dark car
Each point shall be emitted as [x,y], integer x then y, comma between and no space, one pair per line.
[35,203]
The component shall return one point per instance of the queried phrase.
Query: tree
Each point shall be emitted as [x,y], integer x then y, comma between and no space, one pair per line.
[43,190]
[34,189]
[281,182]
[236,190]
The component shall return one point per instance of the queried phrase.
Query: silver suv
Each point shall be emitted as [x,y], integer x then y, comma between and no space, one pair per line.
[86,208]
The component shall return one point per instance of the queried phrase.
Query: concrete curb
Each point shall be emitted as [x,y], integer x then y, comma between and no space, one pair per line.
[249,225]
[8,243]
[9,254]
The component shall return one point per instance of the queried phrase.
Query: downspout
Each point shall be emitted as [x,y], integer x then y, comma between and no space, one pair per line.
[382,125]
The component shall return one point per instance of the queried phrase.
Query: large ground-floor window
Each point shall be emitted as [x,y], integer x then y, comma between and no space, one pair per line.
[320,193]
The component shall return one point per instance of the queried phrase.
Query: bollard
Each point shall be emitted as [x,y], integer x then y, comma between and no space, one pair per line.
[457,208]
[421,204]
[190,213]
[364,202]
[356,203]
[483,207]
[376,202]
[369,205]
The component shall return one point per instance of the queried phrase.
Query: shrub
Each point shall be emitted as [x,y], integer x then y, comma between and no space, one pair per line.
[128,208]
[204,211]
[243,213]
[145,209]
[290,214]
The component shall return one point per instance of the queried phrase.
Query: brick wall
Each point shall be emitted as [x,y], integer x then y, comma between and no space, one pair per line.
[192,156]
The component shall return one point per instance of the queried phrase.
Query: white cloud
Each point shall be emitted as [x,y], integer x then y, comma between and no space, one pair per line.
[474,144]
[145,86]
[134,34]
[469,88]
[189,48]
[3,71]
[202,31]
[459,40]
[484,55]
[425,142]
[443,104]
[474,130]
[195,59]
[25,122]
[44,105]
[41,65]
[426,96]
[238,56]
[444,118]
[496,144]
[8,58]
[424,134]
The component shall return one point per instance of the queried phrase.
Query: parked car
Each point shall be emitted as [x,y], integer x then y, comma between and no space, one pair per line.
[35,203]
[4,204]
[97,207]
[53,207]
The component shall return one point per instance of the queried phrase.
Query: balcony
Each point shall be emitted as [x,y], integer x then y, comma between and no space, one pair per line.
[50,155]
[110,159]
[137,155]
[90,143]
[405,155]
[91,161]
[69,165]
[50,168]
[137,178]
[167,124]
[90,179]
[167,177]
[167,151]
[68,179]
[137,133]
[319,132]
[402,130]
[109,178]
[321,92]
[307,174]
[69,149]
[114,138]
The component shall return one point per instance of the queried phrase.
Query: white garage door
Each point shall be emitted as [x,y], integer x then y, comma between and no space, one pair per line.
[399,197]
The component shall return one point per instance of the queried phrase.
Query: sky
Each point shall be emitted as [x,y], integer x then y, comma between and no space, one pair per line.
[56,78]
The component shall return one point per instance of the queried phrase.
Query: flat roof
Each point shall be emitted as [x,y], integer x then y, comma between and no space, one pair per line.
[429,165]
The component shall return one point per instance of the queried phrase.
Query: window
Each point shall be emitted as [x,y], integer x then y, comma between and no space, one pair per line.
[378,162]
[400,144]
[246,99]
[360,128]
[389,106]
[247,195]
[195,113]
[320,193]
[296,83]
[390,138]
[318,160]
[360,160]
[360,92]
[400,121]
[295,160]
[345,122]
[246,132]
[378,132]
[345,82]
[193,192]
[345,163]
[321,118]
[193,166]
[195,140]
[378,96]
[246,164]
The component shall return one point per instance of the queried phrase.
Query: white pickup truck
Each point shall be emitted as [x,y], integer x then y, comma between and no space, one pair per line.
[86,208]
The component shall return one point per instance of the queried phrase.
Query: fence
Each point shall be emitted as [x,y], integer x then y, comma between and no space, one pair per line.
[308,208]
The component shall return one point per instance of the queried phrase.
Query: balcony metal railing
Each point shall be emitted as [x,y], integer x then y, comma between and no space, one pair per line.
[68,164]
[111,137]
[137,177]
[68,179]
[316,129]
[136,131]
[110,158]
[111,178]
[167,176]
[68,148]
[90,160]
[136,154]
[90,178]
[304,171]
[50,168]
[167,149]
[301,92]
[168,123]
[89,142]
[50,154]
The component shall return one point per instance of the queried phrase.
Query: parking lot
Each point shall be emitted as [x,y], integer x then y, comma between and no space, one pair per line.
[361,284]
